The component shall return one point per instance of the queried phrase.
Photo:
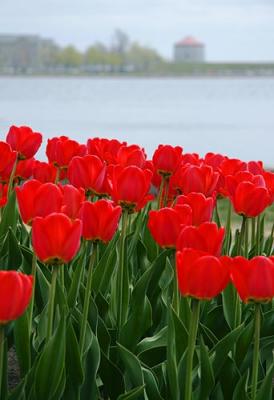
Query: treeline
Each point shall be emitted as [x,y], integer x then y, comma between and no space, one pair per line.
[121,55]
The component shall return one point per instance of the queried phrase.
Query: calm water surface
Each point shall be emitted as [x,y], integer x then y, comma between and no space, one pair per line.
[231,116]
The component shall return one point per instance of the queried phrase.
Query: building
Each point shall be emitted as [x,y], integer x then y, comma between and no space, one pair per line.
[24,53]
[189,50]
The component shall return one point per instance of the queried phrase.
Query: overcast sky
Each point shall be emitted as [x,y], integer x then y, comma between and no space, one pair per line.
[231,29]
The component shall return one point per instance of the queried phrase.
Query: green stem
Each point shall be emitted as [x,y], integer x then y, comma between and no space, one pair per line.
[51,302]
[58,172]
[194,321]
[12,177]
[87,298]
[242,235]
[33,273]
[256,350]
[228,228]
[165,192]
[2,348]
[122,274]
[258,236]
[176,296]
[246,239]
[253,232]
[160,193]
[62,279]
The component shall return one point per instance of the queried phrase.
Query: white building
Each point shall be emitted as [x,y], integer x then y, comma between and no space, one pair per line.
[189,50]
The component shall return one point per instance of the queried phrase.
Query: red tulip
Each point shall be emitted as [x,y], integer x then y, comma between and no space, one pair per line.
[214,160]
[248,193]
[166,159]
[44,172]
[269,181]
[202,207]
[24,169]
[131,155]
[16,291]
[207,237]
[88,172]
[130,186]
[7,160]
[100,220]
[61,150]
[255,167]
[56,238]
[193,178]
[166,224]
[37,199]
[253,279]
[3,195]
[230,166]
[23,140]
[105,149]
[201,275]
[72,200]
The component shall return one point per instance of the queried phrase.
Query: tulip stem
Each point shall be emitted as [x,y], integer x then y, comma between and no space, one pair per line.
[2,348]
[83,328]
[33,273]
[51,302]
[257,326]
[122,275]
[10,185]
[228,229]
[253,231]
[246,238]
[241,236]
[176,298]
[194,321]
[160,193]
[258,236]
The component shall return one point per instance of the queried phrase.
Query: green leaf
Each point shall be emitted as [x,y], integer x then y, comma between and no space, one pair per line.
[76,279]
[223,347]
[151,342]
[207,376]
[9,216]
[22,343]
[132,366]
[240,392]
[112,377]
[228,297]
[73,360]
[151,385]
[265,391]
[51,364]
[10,253]
[89,390]
[134,394]
[172,361]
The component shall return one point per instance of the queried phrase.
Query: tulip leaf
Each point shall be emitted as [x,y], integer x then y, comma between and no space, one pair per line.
[151,385]
[73,360]
[222,348]
[265,391]
[9,216]
[10,253]
[151,342]
[89,391]
[240,391]
[172,361]
[134,394]
[51,364]
[22,342]
[76,280]
[207,376]
[111,376]
[228,296]
[132,365]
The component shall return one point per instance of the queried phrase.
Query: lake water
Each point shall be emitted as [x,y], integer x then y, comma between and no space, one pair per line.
[231,116]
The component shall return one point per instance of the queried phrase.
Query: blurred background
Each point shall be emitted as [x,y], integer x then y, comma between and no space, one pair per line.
[195,73]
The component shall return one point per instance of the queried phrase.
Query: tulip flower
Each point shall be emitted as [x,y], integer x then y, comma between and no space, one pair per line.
[193,178]
[3,195]
[100,220]
[23,140]
[56,238]
[72,201]
[214,160]
[24,169]
[206,237]
[44,172]
[200,274]
[166,159]
[269,181]
[166,224]
[87,172]
[131,155]
[202,207]
[61,150]
[253,279]
[7,161]
[105,149]
[16,291]
[248,193]
[37,199]
[130,186]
